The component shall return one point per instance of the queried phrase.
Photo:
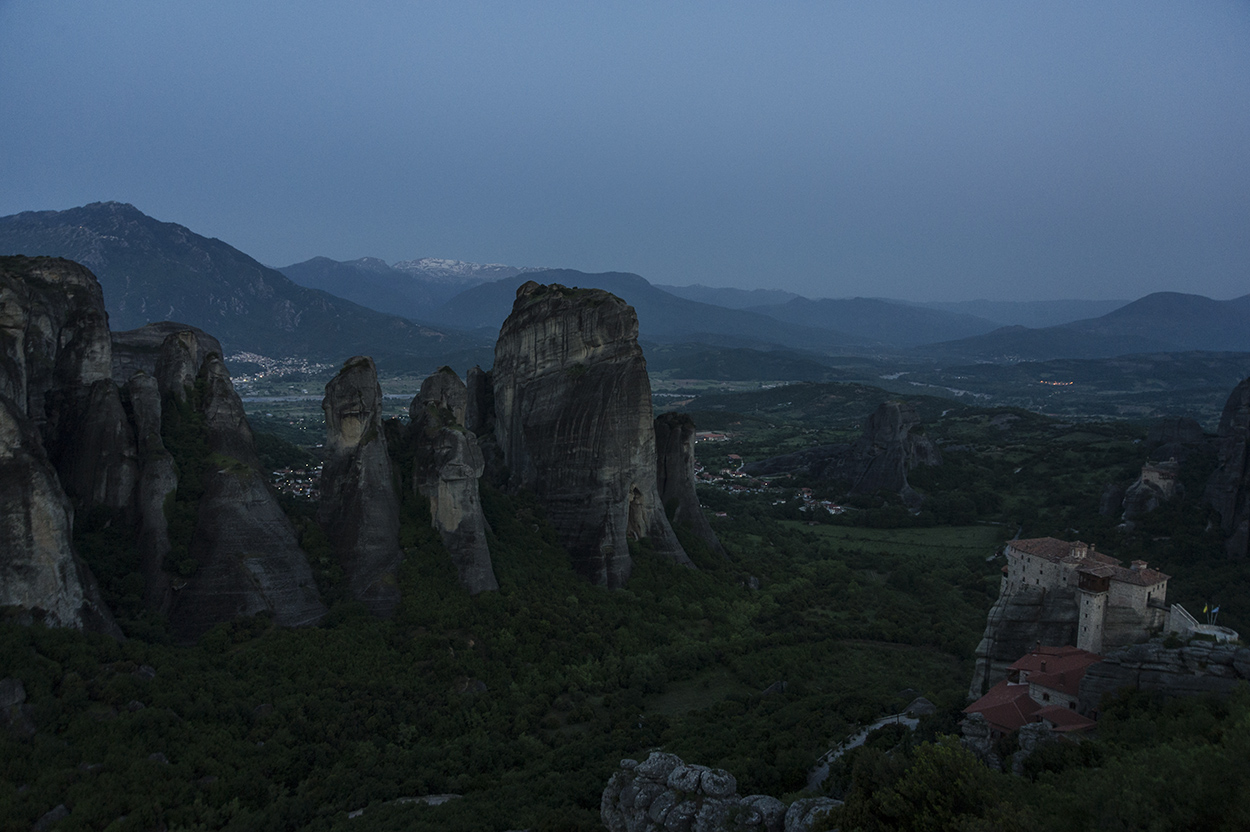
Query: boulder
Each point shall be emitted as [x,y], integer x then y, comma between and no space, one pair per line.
[665,793]
[359,505]
[574,423]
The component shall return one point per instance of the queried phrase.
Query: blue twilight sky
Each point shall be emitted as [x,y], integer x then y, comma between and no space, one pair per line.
[1005,149]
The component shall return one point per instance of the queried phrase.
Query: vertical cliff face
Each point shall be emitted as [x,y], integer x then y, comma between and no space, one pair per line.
[1228,489]
[249,560]
[446,471]
[1016,623]
[674,445]
[479,416]
[359,505]
[39,570]
[158,479]
[53,350]
[574,424]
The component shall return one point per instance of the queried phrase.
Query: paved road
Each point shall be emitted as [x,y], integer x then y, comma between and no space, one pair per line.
[817,775]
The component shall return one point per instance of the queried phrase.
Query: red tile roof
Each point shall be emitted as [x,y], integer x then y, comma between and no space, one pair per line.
[1006,707]
[1077,552]
[1064,719]
[1051,548]
[1058,668]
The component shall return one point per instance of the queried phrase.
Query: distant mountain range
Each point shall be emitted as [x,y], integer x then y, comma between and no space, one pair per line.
[1031,313]
[879,321]
[1160,322]
[414,289]
[448,311]
[155,271]
[730,298]
[662,317]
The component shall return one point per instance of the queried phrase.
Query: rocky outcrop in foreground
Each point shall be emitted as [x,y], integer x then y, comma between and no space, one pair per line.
[1228,489]
[674,446]
[359,506]
[879,460]
[665,794]
[1198,668]
[573,421]
[446,470]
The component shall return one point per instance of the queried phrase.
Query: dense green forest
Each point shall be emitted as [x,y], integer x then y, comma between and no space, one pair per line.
[523,701]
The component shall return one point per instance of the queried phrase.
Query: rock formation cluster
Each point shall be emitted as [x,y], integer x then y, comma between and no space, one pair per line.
[891,445]
[1228,489]
[573,422]
[664,794]
[73,433]
[147,424]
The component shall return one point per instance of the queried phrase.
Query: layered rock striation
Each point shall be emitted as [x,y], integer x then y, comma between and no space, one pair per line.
[573,422]
[892,445]
[446,471]
[664,794]
[674,466]
[1015,624]
[1199,668]
[359,504]
[1228,489]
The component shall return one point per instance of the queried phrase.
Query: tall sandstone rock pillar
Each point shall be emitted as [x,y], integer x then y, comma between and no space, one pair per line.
[574,424]
[1228,489]
[359,505]
[674,445]
[248,557]
[54,353]
[446,471]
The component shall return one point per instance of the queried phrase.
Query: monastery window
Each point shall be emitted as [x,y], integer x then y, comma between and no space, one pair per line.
[1072,706]
[1045,697]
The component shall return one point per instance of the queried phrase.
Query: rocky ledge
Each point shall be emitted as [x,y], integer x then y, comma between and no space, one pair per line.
[664,793]
[1197,668]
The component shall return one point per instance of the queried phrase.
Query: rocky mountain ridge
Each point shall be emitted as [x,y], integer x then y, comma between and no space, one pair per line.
[155,271]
